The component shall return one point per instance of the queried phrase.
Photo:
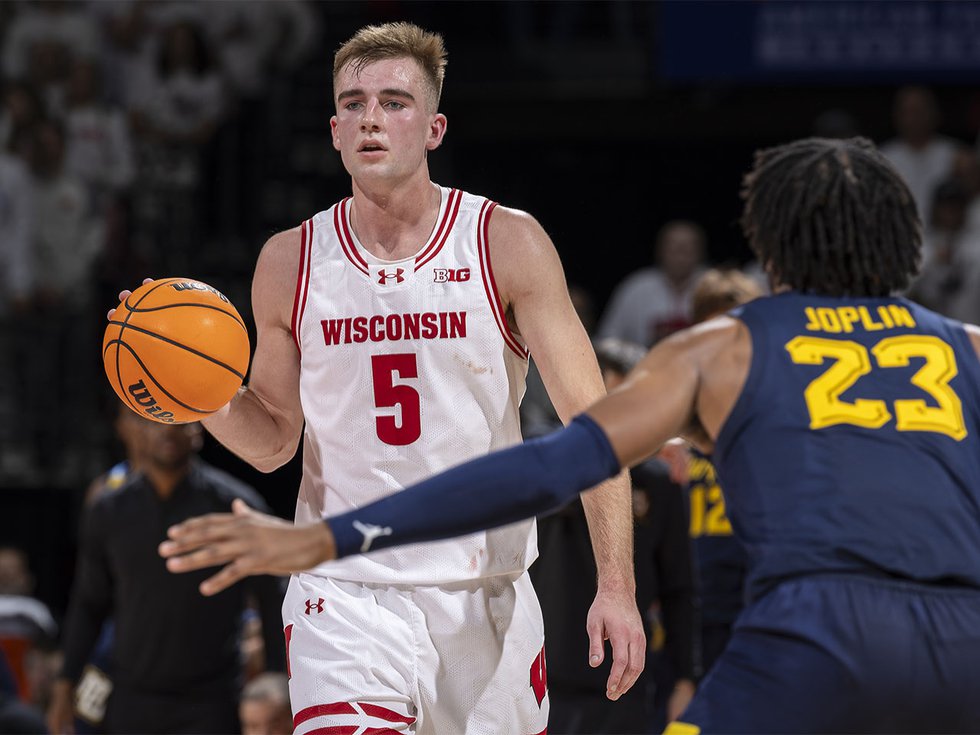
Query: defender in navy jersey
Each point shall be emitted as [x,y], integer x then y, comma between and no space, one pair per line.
[846,429]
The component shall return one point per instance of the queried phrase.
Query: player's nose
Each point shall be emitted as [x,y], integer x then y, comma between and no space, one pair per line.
[372,116]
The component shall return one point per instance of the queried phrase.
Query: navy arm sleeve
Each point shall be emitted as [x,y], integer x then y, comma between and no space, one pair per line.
[500,488]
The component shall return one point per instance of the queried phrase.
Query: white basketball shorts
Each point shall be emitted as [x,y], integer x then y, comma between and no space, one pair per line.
[367,659]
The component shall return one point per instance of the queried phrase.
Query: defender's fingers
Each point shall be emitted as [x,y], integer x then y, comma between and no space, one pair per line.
[637,659]
[224,579]
[621,660]
[207,556]
[204,527]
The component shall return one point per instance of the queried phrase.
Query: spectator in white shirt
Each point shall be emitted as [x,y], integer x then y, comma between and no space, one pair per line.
[654,302]
[921,156]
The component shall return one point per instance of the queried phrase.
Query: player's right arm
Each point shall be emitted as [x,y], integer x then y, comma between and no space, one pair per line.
[263,423]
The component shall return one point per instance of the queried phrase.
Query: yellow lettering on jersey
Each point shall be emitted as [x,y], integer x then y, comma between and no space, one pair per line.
[848,315]
[811,316]
[868,321]
[828,320]
[901,316]
[682,728]
[885,317]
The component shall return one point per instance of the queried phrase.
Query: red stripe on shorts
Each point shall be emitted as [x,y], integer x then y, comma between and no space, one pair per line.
[380,731]
[318,710]
[383,713]
[334,730]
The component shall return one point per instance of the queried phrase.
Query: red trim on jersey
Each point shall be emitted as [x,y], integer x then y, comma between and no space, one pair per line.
[288,632]
[380,731]
[302,280]
[383,713]
[333,730]
[346,240]
[318,710]
[432,250]
[483,247]
[543,732]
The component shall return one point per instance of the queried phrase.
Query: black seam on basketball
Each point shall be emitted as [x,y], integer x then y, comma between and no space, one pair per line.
[122,389]
[160,337]
[129,308]
[238,321]
[157,383]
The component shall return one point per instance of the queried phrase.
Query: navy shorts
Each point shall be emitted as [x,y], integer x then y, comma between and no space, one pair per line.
[839,654]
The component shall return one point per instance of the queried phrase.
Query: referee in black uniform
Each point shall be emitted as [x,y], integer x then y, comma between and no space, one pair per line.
[177,664]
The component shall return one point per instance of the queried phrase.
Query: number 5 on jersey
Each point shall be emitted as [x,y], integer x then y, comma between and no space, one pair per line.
[404,398]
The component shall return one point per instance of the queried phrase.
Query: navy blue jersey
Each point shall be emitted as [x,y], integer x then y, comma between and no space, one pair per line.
[854,446]
[718,557]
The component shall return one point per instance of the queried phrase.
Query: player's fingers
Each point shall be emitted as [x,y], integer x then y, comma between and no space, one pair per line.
[637,659]
[596,640]
[124,294]
[206,556]
[202,528]
[240,508]
[224,579]
[619,641]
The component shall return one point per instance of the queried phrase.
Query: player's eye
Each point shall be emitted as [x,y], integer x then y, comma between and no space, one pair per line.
[353,106]
[394,105]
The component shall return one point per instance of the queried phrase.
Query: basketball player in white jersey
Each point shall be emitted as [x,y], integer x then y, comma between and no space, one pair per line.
[402,340]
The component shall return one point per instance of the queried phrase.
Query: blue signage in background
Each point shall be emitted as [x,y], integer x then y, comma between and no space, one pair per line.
[798,41]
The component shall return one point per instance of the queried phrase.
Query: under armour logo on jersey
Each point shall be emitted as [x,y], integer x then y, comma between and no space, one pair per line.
[384,275]
[318,606]
[370,533]
[450,275]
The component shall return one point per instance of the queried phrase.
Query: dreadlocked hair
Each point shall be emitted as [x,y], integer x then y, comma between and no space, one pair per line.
[831,217]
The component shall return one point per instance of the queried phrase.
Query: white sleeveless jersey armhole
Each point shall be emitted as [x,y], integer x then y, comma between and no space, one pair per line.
[407,368]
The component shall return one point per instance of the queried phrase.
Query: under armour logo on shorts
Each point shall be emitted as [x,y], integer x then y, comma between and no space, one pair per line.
[318,606]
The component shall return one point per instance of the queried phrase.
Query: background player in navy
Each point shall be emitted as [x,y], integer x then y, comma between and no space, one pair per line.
[846,428]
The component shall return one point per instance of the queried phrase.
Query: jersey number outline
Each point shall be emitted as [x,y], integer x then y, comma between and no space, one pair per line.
[851,361]
[389,394]
[708,516]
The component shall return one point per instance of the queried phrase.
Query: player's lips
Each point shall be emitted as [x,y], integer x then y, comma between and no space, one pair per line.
[371,146]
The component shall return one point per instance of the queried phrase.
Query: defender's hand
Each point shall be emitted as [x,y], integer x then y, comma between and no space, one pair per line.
[123,295]
[246,542]
[614,617]
[60,716]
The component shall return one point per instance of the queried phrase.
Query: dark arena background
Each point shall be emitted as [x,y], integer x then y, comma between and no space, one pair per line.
[605,120]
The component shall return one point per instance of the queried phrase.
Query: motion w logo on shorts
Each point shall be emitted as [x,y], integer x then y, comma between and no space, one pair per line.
[311,606]
[539,677]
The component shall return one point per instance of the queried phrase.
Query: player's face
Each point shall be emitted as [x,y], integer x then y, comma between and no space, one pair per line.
[170,446]
[386,122]
[263,718]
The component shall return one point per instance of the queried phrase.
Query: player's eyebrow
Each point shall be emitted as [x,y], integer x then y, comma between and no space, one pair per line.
[387,92]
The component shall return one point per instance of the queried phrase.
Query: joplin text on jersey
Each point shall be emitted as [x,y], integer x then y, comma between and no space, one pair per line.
[394,327]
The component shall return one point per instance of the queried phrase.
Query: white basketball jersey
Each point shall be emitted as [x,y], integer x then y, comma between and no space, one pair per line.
[407,368]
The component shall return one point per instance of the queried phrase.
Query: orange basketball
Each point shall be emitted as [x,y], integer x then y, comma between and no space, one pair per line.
[176,350]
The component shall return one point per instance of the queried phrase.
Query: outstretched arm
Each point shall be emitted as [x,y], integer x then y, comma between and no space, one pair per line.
[494,490]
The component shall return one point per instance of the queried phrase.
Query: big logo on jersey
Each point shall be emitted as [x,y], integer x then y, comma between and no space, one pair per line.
[450,275]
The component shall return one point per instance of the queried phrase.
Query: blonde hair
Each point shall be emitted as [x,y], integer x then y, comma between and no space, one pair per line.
[717,291]
[393,41]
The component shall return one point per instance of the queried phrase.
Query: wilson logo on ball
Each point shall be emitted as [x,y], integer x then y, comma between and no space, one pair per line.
[141,394]
[198,286]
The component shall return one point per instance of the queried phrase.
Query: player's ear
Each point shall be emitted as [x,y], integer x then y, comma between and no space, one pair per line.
[333,133]
[437,129]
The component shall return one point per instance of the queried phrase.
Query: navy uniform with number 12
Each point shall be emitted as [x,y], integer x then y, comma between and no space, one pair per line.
[862,523]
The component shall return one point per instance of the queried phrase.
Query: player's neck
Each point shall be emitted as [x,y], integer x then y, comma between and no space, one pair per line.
[394,222]
[164,480]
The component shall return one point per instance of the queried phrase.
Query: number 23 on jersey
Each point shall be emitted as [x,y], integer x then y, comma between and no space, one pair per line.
[850,360]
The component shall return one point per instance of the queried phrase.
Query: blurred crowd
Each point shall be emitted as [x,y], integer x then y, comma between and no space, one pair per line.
[132,134]
[121,128]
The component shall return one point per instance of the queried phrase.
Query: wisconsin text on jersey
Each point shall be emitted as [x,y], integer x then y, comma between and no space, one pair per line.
[843,318]
[394,327]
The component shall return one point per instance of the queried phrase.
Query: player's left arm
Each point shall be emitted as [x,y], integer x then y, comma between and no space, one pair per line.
[532,286]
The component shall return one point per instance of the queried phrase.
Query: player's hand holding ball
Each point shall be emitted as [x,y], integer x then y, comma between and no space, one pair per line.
[175,350]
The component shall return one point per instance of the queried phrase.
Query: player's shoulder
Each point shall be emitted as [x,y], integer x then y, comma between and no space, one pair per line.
[227,487]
